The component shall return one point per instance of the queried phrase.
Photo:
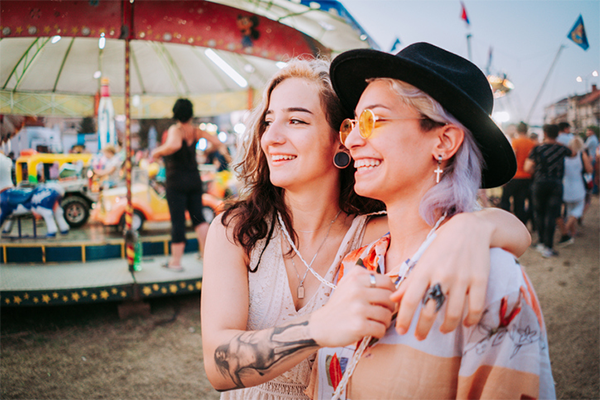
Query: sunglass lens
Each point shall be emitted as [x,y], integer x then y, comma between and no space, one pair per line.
[366,122]
[345,129]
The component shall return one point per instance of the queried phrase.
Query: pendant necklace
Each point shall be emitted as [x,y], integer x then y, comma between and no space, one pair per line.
[300,289]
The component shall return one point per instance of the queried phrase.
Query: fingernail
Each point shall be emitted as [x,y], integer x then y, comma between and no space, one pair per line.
[401,330]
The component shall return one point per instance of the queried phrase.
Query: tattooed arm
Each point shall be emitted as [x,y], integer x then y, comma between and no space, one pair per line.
[258,352]
[233,357]
[236,358]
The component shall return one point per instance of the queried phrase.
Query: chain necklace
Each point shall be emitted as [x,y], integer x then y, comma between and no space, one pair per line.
[300,289]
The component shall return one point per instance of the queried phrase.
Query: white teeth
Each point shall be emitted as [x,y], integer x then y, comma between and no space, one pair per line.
[280,157]
[366,163]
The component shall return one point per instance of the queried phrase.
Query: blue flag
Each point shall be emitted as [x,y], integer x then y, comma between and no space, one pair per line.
[395,45]
[578,35]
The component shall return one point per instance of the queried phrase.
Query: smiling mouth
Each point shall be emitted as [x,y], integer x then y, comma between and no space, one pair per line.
[366,163]
[281,157]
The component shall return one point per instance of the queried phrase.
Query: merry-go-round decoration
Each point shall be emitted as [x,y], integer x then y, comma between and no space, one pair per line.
[43,200]
[52,63]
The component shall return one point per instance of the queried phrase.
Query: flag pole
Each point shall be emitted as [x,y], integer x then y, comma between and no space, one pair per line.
[469,46]
[537,98]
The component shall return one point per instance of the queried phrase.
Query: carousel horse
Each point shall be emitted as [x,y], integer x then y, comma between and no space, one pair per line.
[43,200]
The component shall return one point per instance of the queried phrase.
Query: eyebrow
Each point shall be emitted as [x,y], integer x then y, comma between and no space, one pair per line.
[372,106]
[293,109]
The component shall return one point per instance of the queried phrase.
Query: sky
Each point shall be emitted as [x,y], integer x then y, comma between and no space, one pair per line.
[525,37]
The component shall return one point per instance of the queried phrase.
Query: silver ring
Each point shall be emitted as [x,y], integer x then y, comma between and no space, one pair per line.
[372,281]
[435,293]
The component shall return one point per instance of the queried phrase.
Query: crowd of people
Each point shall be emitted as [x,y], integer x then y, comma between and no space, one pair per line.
[554,182]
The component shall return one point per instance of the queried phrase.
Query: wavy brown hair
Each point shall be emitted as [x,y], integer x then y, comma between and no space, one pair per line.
[254,213]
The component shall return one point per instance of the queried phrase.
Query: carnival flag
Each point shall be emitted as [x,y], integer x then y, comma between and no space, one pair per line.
[395,45]
[463,14]
[578,35]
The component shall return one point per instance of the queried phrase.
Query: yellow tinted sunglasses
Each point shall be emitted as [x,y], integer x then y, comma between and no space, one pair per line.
[366,124]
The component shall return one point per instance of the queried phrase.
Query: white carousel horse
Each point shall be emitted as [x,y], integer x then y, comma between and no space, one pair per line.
[42,200]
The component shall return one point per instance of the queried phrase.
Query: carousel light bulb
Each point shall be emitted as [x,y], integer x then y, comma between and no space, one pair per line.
[239,128]
[55,39]
[579,79]
[281,64]
[222,137]
[202,144]
[101,41]
[594,73]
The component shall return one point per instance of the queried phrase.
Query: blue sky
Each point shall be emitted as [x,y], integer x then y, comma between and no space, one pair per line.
[525,37]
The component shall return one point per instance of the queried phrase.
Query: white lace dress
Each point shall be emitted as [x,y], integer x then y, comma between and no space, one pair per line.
[271,304]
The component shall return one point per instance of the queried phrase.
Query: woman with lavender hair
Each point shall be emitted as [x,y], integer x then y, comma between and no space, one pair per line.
[423,143]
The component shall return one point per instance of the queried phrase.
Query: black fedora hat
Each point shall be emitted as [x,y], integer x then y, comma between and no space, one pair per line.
[454,82]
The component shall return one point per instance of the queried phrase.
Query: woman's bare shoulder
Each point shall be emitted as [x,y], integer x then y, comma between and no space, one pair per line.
[221,236]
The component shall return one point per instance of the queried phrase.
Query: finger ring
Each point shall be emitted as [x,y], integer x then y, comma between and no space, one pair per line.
[372,280]
[435,293]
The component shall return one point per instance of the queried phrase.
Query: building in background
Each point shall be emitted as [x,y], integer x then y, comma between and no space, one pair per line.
[580,111]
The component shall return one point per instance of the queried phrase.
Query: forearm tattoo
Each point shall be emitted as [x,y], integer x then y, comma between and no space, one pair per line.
[250,353]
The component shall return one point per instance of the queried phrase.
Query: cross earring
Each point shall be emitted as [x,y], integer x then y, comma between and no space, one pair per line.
[438,171]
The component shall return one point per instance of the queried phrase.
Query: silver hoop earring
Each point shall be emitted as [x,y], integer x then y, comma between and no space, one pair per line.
[341,159]
[438,171]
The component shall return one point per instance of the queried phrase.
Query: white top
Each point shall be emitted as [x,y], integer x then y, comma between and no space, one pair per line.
[573,188]
[272,304]
[591,143]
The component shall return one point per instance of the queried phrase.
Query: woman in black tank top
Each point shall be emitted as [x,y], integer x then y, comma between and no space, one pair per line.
[184,187]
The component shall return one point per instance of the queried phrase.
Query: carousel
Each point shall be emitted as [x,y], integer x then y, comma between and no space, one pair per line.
[55,56]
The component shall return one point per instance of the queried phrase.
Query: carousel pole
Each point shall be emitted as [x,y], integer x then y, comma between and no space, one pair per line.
[130,235]
[130,244]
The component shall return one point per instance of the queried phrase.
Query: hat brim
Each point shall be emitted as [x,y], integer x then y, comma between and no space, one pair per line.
[350,70]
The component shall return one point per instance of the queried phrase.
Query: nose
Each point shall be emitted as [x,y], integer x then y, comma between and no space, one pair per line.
[354,139]
[273,135]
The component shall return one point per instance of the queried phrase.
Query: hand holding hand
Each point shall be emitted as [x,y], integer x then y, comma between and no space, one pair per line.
[356,309]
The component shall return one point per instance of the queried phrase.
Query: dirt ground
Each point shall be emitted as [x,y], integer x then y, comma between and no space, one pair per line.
[86,352]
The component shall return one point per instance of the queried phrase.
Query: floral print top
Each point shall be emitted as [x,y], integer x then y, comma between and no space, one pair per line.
[504,356]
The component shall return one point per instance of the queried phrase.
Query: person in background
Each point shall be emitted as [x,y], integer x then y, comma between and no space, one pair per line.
[574,190]
[591,144]
[519,187]
[77,149]
[219,157]
[13,170]
[111,166]
[183,184]
[564,133]
[546,163]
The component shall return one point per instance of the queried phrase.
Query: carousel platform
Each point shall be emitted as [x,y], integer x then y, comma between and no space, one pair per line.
[88,265]
[92,242]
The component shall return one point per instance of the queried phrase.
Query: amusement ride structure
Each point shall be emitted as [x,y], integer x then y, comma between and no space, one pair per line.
[219,54]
